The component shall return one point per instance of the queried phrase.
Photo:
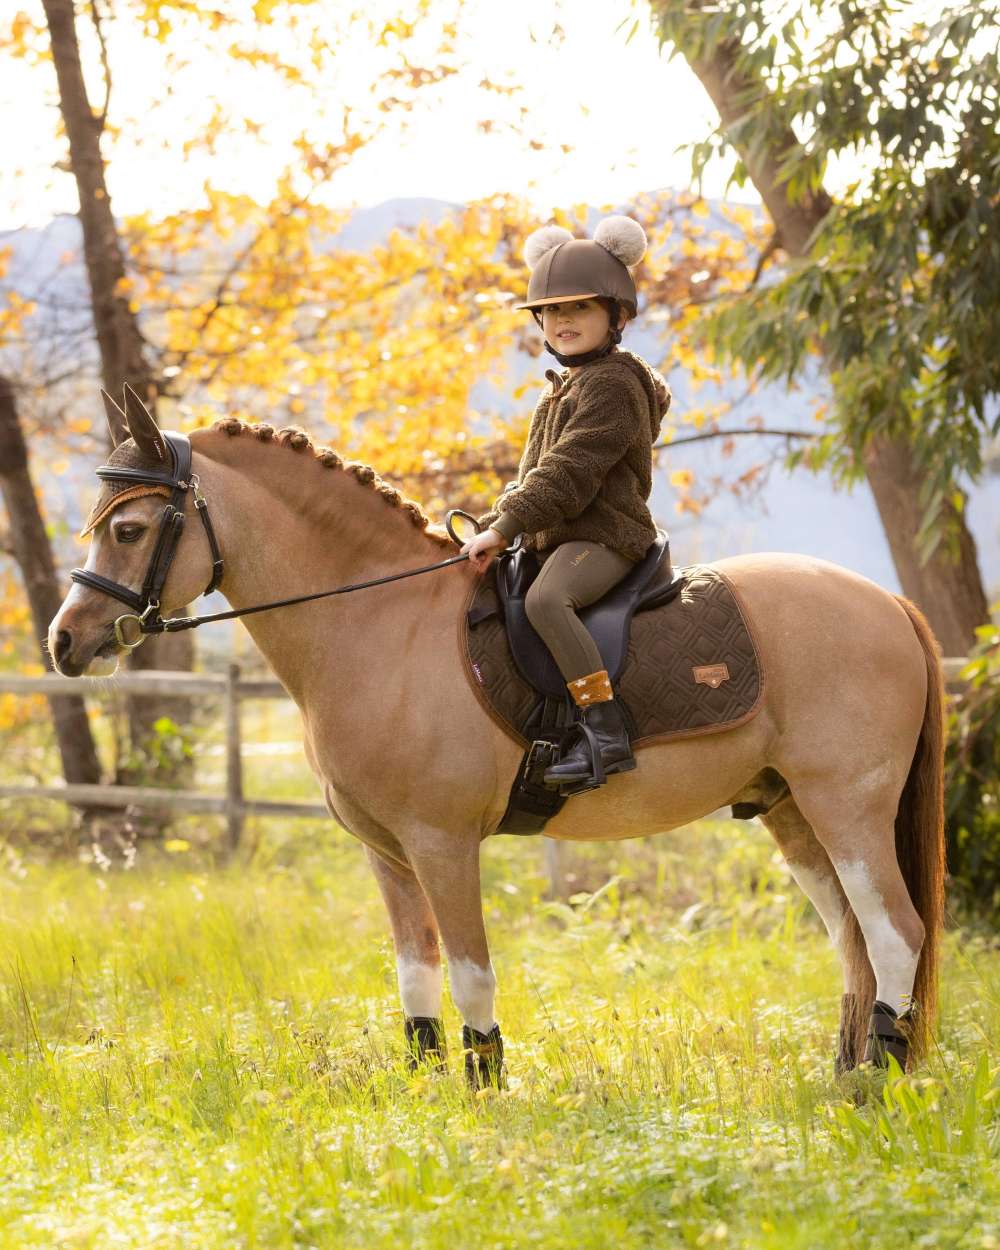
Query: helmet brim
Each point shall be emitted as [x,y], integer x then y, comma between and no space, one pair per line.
[559,299]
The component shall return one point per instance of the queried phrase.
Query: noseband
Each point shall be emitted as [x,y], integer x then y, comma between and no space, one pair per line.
[145,617]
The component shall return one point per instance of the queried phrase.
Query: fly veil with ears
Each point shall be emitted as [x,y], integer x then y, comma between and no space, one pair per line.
[564,268]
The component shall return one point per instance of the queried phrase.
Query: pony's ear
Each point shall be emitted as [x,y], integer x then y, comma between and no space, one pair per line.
[142,427]
[117,421]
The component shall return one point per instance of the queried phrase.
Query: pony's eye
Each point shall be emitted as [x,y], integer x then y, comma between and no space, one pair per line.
[129,533]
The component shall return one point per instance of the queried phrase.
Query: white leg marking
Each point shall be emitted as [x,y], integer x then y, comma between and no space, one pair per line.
[419,987]
[473,988]
[895,964]
[824,896]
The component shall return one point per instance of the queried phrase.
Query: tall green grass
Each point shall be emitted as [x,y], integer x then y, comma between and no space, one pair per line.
[201,1057]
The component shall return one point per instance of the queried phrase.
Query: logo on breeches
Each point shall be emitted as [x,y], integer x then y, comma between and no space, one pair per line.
[710,674]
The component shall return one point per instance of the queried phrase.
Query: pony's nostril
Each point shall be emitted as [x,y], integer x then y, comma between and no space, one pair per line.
[64,644]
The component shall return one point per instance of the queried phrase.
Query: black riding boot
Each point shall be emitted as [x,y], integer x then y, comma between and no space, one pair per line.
[596,755]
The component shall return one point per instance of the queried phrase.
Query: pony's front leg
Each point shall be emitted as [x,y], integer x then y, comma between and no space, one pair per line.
[418,959]
[447,868]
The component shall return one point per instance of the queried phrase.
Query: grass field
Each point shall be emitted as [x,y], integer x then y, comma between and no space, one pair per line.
[203,1057]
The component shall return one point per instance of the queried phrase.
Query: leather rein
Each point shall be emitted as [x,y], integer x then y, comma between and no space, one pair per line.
[145,618]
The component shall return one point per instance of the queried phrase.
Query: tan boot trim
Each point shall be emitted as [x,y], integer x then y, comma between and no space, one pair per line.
[485,1050]
[594,688]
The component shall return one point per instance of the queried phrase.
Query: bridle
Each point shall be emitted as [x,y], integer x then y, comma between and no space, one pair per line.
[145,618]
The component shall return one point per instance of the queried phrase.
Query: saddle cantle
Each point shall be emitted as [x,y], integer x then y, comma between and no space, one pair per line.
[678,649]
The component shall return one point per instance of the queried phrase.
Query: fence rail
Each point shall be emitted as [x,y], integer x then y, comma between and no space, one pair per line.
[232,688]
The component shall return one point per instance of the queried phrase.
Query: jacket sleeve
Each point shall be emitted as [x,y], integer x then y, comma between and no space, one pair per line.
[487,519]
[609,416]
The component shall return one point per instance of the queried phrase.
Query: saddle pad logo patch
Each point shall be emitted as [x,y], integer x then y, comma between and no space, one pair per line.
[711,674]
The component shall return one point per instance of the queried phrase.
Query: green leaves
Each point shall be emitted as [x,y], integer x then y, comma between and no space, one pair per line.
[898,286]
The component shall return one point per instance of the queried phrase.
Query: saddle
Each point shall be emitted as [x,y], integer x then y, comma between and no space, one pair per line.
[608,620]
[678,650]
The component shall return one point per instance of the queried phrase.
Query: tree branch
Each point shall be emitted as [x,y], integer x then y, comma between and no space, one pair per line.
[701,438]
[96,18]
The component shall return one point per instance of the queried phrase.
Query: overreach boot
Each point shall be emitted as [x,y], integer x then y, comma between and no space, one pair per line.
[484,1065]
[425,1039]
[888,1034]
[602,745]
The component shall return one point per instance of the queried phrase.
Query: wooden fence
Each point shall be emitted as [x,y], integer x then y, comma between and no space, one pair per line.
[232,688]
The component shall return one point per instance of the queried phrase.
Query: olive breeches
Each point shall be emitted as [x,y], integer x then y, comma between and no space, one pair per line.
[572,576]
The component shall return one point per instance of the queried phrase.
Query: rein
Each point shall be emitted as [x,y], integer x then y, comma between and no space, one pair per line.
[133,627]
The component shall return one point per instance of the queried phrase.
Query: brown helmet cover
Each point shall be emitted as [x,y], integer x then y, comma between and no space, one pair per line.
[564,268]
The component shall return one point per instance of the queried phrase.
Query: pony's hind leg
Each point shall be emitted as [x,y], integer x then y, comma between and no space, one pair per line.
[810,865]
[860,840]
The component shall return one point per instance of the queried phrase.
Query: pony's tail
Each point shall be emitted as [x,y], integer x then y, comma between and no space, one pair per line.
[920,846]
[920,851]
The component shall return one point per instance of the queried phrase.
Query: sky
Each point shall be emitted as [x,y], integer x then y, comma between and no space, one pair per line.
[622,106]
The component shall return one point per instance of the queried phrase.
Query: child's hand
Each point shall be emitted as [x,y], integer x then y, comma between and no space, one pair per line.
[483,548]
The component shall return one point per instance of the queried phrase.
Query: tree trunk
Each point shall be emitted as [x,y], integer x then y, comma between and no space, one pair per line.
[116,326]
[33,555]
[949,591]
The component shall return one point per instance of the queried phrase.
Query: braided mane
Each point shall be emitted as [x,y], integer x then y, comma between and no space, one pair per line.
[298,440]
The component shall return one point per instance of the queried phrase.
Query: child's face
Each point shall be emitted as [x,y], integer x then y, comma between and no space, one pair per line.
[576,326]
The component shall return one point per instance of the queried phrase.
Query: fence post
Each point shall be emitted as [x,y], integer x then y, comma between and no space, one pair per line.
[234,760]
[553,850]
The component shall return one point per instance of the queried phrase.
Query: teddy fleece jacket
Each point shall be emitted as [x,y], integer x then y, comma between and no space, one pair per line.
[587,467]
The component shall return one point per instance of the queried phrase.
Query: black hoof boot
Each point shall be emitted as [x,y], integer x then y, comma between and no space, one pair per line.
[601,748]
[888,1034]
[425,1040]
[846,1059]
[484,1064]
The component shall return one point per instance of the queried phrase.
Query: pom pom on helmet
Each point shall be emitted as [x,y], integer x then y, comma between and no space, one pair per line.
[617,234]
[543,240]
[622,237]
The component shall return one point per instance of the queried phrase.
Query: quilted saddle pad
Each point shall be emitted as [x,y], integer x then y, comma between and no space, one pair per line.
[692,665]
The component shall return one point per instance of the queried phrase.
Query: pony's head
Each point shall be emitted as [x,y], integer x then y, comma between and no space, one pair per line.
[133,518]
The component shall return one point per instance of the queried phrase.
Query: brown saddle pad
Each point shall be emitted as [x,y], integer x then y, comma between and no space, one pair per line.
[692,665]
